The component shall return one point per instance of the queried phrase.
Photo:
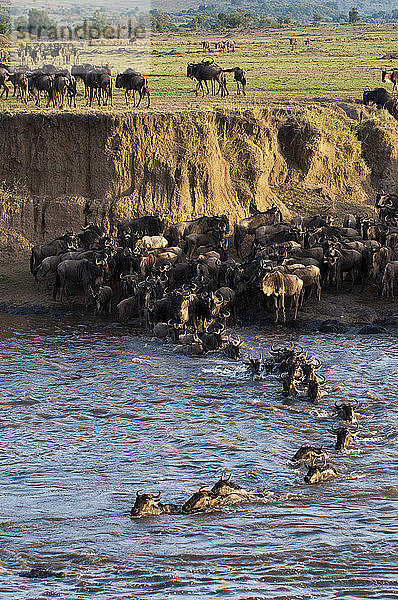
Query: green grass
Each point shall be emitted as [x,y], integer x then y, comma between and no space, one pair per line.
[340,63]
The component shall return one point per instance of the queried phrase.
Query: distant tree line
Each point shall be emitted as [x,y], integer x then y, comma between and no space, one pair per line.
[265,13]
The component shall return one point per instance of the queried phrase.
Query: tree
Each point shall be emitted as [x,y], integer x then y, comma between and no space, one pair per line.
[353,15]
[21,24]
[99,22]
[161,21]
[317,17]
[394,14]
[5,21]
[39,20]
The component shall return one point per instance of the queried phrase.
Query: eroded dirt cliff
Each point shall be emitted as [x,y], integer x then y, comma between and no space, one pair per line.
[58,169]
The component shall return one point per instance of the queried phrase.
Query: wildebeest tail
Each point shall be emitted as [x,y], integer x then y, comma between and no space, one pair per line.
[57,285]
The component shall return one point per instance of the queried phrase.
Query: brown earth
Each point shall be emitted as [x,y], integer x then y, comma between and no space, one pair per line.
[58,169]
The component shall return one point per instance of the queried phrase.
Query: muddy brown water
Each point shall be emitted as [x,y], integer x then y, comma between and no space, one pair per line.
[91,413]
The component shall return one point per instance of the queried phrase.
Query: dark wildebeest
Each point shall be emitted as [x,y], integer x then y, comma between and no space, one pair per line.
[105,91]
[148,225]
[80,272]
[103,299]
[240,78]
[390,75]
[131,81]
[149,505]
[207,71]
[344,436]
[249,225]
[4,74]
[233,492]
[382,99]
[39,83]
[61,244]
[59,89]
[179,231]
[388,205]
[91,235]
[79,72]
[346,411]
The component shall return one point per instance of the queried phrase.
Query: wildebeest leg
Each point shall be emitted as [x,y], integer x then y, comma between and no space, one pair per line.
[282,304]
[276,306]
[126,96]
[298,299]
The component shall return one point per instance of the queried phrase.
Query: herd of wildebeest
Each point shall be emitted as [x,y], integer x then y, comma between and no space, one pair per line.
[296,370]
[185,282]
[58,85]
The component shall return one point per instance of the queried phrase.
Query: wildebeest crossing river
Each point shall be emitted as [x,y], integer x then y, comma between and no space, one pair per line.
[91,414]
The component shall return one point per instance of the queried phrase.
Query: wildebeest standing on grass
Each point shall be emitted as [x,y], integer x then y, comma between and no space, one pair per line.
[207,71]
[240,78]
[132,81]
[390,75]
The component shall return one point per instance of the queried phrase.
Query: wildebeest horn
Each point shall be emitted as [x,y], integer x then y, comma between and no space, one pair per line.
[203,488]
[338,405]
[334,429]
[321,379]
[158,495]
[139,493]
[317,364]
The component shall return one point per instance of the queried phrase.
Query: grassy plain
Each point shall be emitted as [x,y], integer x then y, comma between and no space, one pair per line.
[340,61]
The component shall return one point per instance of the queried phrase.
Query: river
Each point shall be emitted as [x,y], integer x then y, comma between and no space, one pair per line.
[90,413]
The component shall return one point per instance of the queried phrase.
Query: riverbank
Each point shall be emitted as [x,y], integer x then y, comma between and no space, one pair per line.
[346,310]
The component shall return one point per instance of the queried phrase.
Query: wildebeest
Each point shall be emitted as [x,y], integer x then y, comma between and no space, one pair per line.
[147,225]
[204,499]
[240,78]
[132,81]
[39,83]
[202,225]
[231,491]
[207,71]
[232,348]
[4,74]
[279,285]
[250,224]
[80,272]
[61,244]
[317,474]
[103,299]
[390,75]
[308,454]
[346,411]
[382,99]
[389,277]
[344,435]
[146,505]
